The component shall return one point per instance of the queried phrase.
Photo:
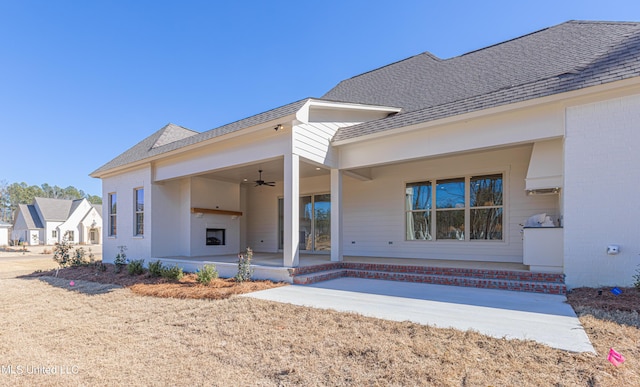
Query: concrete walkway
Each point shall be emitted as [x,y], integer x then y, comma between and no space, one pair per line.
[544,318]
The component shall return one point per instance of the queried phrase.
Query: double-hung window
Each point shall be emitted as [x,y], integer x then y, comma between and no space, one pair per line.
[463,209]
[138,198]
[113,199]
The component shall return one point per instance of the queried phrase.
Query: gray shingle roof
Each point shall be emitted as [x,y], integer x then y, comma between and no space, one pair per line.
[56,210]
[563,58]
[157,143]
[566,57]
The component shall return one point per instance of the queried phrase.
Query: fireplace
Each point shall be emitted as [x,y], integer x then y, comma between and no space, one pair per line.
[215,237]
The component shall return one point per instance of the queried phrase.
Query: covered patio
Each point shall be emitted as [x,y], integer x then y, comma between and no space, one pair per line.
[315,268]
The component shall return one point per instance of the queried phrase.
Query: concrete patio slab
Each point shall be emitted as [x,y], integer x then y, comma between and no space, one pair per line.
[544,318]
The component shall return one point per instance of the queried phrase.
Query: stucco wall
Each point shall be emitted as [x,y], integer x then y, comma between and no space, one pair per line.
[214,194]
[602,171]
[374,210]
[170,225]
[138,247]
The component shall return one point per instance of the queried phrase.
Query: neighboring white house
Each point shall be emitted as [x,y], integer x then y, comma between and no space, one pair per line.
[48,221]
[4,233]
[423,158]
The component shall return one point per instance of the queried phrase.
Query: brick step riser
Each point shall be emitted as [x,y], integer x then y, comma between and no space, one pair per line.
[452,272]
[524,286]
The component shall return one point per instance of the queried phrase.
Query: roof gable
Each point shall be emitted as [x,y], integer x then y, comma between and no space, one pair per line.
[157,144]
[30,216]
[54,210]
[171,133]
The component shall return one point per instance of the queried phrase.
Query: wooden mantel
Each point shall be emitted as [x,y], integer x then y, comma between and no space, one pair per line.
[195,210]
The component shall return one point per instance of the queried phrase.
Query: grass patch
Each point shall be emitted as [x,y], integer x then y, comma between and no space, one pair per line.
[214,342]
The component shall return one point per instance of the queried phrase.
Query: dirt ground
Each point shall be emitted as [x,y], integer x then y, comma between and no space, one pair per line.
[102,334]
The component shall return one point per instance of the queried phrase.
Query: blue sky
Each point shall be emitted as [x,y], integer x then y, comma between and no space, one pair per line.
[82,81]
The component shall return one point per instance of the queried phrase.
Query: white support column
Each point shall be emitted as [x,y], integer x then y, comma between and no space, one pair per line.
[291,210]
[336,215]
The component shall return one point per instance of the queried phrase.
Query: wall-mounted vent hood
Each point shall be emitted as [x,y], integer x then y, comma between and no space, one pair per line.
[545,174]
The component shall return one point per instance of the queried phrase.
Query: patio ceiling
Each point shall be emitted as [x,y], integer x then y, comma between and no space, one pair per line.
[272,170]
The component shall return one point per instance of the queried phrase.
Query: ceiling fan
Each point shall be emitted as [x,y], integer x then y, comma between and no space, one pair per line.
[262,182]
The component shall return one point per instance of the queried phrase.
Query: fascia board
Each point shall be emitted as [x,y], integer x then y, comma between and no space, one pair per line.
[187,148]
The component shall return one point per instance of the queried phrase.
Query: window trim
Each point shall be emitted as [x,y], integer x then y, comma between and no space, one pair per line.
[467,208]
[112,217]
[137,212]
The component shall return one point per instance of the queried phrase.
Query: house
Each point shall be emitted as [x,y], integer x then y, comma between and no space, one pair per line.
[425,158]
[4,233]
[49,221]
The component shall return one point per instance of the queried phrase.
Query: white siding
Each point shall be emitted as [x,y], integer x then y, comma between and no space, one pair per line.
[4,236]
[602,171]
[312,141]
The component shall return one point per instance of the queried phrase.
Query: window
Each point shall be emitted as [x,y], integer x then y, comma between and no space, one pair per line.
[444,209]
[70,236]
[112,214]
[139,211]
[54,233]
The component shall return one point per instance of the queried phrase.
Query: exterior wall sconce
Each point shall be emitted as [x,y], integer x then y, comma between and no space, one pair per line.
[278,127]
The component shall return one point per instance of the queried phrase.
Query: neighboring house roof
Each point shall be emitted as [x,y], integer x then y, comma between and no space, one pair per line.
[159,142]
[56,210]
[566,57]
[98,208]
[30,215]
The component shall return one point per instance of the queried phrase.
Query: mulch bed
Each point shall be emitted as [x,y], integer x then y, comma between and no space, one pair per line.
[146,285]
[603,298]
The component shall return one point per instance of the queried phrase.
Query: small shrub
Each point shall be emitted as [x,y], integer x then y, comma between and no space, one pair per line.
[636,277]
[244,266]
[78,258]
[46,251]
[92,257]
[62,253]
[207,274]
[136,267]
[155,268]
[172,273]
[121,259]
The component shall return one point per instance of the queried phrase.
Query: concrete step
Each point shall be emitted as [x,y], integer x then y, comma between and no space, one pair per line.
[312,278]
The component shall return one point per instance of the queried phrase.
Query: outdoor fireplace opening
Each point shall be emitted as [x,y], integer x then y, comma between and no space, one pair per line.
[215,236]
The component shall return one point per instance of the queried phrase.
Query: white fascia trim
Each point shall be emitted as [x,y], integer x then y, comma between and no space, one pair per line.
[555,98]
[303,113]
[242,132]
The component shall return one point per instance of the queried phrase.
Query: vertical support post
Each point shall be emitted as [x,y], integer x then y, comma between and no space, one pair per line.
[336,215]
[291,247]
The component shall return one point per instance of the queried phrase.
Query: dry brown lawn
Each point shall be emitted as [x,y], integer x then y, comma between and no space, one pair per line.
[102,334]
